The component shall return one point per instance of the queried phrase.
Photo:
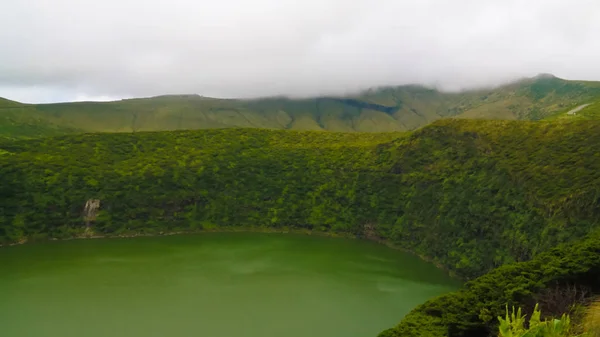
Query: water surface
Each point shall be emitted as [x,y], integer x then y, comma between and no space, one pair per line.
[211,285]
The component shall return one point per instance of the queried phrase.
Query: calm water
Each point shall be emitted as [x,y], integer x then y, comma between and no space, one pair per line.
[210,285]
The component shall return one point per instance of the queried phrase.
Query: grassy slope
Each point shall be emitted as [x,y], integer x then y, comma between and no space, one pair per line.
[5,103]
[379,110]
[591,110]
[18,121]
[470,195]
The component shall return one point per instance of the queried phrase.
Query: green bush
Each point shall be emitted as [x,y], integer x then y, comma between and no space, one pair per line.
[472,310]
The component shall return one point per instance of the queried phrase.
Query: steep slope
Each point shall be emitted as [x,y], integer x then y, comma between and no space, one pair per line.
[556,279]
[424,190]
[18,121]
[469,195]
[5,103]
[378,110]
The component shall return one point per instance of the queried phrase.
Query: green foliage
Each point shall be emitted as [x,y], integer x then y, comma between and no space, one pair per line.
[513,325]
[471,311]
[470,195]
[385,109]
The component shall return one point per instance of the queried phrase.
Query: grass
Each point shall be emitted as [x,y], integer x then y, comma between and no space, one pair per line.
[591,321]
[589,112]
[385,109]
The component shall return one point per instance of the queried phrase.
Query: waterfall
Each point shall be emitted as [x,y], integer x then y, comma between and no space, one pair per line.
[90,210]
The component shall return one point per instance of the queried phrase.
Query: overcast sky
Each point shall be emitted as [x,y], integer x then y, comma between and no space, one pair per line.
[62,50]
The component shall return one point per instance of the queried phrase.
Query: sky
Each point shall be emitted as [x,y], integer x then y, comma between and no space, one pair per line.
[66,50]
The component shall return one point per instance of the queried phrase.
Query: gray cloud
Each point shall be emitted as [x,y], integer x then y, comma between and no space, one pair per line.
[80,49]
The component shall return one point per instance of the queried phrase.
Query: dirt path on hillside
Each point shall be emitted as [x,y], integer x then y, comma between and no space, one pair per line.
[579,108]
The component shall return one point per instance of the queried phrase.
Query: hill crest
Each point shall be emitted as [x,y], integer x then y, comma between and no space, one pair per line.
[381,109]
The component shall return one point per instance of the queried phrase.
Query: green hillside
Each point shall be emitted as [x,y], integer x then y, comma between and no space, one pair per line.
[472,196]
[5,103]
[590,110]
[377,110]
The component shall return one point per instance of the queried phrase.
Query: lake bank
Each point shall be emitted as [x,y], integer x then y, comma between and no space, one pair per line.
[379,240]
[270,285]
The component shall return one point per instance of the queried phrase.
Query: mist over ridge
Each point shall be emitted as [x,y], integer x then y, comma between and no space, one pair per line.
[85,50]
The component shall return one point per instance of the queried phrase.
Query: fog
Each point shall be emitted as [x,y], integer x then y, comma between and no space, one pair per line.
[64,50]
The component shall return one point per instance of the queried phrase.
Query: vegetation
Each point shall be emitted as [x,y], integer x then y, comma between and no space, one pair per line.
[513,325]
[495,202]
[591,321]
[472,311]
[385,109]
[586,111]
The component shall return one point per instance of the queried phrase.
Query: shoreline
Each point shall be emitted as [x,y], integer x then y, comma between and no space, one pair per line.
[378,240]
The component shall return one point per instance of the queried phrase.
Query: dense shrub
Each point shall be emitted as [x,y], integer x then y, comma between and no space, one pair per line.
[468,195]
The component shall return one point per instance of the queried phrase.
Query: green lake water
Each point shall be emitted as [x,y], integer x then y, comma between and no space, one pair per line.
[211,285]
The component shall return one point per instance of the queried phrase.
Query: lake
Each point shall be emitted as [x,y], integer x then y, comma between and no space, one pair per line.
[211,285]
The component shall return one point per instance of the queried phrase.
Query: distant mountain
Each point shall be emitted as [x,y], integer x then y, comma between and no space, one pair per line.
[397,108]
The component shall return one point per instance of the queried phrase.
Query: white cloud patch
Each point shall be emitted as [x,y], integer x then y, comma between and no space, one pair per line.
[65,49]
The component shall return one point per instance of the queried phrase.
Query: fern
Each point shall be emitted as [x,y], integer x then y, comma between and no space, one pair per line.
[514,325]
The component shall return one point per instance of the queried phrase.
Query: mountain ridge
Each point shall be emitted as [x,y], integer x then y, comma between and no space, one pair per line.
[381,109]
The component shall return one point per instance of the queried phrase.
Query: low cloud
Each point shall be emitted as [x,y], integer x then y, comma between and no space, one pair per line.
[80,49]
